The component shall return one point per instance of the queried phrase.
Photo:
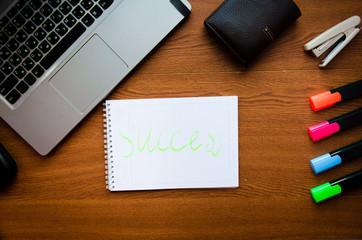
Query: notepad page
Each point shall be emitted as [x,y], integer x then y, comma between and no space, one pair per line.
[172,143]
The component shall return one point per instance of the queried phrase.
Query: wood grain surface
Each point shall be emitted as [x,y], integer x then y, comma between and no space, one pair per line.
[63,195]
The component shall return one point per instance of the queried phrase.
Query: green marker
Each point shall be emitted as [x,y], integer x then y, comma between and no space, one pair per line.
[337,186]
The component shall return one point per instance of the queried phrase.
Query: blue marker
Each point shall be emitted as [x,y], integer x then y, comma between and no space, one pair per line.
[336,157]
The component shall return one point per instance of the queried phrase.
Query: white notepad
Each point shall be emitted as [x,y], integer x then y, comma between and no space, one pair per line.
[171,143]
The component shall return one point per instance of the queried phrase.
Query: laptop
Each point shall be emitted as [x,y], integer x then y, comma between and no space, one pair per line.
[60,58]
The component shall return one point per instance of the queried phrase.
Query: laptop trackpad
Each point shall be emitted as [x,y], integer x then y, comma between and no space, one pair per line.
[90,72]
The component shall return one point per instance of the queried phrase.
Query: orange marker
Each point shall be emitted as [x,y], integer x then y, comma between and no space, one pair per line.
[341,94]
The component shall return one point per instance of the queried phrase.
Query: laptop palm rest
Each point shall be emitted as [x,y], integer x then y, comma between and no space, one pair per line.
[90,72]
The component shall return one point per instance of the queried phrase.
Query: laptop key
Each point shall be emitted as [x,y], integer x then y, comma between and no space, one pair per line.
[88,20]
[3,38]
[5,53]
[57,16]
[13,96]
[40,34]
[31,42]
[3,22]
[105,3]
[8,84]
[87,4]
[55,3]
[74,2]
[18,21]
[20,72]
[35,4]
[44,47]
[53,38]
[96,11]
[15,60]
[63,45]
[29,27]
[10,29]
[28,64]
[21,36]
[22,87]
[12,12]
[30,79]
[70,21]
[2,77]
[23,51]
[27,12]
[20,4]
[38,71]
[78,12]
[46,10]
[36,55]
[38,18]
[65,8]
[12,44]
[61,29]
[48,25]
[7,68]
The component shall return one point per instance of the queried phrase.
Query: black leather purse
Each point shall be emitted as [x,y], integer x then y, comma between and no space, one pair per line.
[248,26]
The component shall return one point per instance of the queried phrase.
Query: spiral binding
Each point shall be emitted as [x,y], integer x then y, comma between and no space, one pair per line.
[108,151]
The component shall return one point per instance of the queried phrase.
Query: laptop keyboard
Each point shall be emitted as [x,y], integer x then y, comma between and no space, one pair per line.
[35,33]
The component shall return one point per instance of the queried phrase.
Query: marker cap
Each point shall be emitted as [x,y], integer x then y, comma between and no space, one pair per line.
[325,162]
[322,130]
[324,100]
[325,191]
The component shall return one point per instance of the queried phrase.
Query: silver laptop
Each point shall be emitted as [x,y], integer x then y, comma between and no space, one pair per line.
[60,58]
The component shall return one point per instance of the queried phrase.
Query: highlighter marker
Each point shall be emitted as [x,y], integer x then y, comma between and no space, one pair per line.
[341,94]
[337,186]
[338,124]
[332,159]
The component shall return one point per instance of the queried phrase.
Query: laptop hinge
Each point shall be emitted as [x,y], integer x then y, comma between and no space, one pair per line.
[180,7]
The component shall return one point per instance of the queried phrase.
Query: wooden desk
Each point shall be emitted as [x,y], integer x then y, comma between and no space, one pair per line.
[63,195]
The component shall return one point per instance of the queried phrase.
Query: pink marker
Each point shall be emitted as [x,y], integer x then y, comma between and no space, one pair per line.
[338,124]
